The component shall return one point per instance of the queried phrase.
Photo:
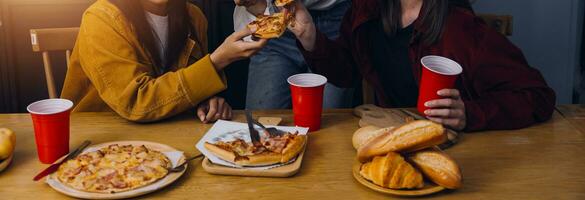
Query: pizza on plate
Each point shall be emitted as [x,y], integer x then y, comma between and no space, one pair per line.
[274,150]
[114,169]
[270,26]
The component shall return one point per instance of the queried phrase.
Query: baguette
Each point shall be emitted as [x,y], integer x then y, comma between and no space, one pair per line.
[362,135]
[437,166]
[409,137]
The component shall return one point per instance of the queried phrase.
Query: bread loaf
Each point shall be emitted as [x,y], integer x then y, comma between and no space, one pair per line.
[438,167]
[409,137]
[366,133]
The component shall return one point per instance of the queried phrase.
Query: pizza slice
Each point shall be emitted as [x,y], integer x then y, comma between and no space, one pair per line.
[274,150]
[283,3]
[269,26]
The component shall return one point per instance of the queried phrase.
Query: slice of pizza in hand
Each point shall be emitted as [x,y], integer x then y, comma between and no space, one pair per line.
[269,26]
[275,150]
[283,3]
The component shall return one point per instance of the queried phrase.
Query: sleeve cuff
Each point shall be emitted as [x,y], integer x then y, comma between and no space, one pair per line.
[202,81]
[475,117]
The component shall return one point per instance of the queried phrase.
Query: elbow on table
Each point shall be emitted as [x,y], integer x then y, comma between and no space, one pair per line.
[545,105]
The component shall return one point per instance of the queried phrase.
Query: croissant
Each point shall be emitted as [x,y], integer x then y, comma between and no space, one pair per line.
[392,171]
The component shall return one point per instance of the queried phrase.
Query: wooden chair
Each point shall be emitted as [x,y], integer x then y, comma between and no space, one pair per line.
[53,39]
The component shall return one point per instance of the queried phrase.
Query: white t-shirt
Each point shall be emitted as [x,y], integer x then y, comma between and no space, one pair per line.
[242,17]
[160,26]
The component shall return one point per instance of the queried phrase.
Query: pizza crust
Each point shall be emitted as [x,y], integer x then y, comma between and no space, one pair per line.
[283,3]
[293,148]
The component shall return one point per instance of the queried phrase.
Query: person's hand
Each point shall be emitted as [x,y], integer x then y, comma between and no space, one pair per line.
[234,49]
[449,111]
[256,7]
[213,109]
[302,25]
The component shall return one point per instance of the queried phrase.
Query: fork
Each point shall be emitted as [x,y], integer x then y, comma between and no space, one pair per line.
[272,131]
[181,167]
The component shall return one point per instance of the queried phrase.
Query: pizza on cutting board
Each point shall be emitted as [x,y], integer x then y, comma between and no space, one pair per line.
[274,150]
[114,169]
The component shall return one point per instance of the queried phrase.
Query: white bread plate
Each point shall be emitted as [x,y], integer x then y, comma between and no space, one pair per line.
[175,156]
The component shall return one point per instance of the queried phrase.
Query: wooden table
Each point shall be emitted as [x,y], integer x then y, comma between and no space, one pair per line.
[574,114]
[545,161]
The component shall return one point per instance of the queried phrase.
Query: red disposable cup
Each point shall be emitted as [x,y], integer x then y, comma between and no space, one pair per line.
[51,123]
[437,73]
[307,99]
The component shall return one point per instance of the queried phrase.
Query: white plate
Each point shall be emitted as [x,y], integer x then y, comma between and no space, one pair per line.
[173,154]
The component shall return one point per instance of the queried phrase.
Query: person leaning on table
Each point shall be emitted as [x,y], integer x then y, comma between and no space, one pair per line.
[384,40]
[147,60]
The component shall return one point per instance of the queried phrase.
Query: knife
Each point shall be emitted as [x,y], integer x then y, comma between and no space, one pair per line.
[254,135]
[452,136]
[55,167]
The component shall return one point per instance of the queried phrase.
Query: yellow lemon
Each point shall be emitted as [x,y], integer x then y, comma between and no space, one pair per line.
[7,143]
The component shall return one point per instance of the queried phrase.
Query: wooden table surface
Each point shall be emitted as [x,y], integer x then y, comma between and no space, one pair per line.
[574,114]
[545,161]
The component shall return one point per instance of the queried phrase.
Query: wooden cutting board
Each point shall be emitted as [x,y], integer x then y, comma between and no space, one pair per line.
[281,172]
[372,115]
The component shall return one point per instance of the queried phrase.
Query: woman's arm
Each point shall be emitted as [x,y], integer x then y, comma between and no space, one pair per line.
[511,94]
[125,83]
[332,59]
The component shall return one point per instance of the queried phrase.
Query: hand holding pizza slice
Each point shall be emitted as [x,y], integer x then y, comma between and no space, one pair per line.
[273,26]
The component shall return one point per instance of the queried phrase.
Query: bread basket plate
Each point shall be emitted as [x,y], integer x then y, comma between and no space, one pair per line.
[429,188]
[4,163]
[173,154]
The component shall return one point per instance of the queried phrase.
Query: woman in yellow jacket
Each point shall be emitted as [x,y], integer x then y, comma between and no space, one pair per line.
[147,60]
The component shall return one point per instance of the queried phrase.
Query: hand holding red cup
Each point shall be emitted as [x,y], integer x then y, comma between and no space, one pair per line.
[437,100]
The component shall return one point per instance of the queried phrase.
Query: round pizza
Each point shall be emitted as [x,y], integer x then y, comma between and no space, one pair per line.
[114,169]
[274,149]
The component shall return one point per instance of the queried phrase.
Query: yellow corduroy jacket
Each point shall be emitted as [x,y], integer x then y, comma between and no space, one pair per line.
[110,71]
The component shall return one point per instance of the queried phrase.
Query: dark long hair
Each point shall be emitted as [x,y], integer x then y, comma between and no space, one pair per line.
[179,28]
[434,13]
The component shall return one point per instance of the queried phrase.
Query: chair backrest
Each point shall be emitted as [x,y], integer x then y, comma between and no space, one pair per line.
[367,93]
[501,23]
[53,39]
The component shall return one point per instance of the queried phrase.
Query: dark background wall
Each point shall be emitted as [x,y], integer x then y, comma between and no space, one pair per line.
[549,33]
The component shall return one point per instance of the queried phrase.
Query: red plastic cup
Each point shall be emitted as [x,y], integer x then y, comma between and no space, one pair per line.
[307,99]
[51,123]
[437,73]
